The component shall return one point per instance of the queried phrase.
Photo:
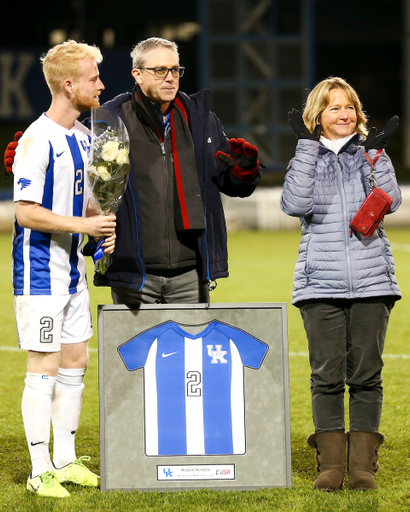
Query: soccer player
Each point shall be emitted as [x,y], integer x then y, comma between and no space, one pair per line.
[51,298]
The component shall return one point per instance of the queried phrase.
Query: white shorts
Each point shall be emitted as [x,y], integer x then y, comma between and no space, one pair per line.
[44,322]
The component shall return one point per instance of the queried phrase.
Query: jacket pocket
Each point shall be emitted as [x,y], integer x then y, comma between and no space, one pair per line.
[307,264]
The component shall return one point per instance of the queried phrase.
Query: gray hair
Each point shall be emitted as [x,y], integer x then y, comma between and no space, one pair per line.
[139,51]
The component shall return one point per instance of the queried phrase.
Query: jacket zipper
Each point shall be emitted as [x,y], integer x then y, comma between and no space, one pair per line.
[211,284]
[166,184]
[346,228]
[137,238]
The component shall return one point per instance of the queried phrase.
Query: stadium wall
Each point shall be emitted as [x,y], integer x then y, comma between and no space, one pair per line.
[260,211]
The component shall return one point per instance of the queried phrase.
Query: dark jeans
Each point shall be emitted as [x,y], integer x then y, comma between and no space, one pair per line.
[346,341]
[178,287]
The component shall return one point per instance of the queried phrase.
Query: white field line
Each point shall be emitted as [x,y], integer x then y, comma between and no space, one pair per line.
[400,247]
[385,356]
[291,354]
[394,246]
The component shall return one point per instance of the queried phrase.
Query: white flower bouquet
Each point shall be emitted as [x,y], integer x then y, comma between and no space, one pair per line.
[108,171]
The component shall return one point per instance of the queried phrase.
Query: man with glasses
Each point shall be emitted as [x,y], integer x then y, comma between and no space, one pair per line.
[171,236]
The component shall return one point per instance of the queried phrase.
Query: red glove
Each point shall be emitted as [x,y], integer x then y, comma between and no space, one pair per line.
[10,152]
[243,160]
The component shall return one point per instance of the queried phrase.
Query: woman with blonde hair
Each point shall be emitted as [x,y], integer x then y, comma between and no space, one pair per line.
[344,283]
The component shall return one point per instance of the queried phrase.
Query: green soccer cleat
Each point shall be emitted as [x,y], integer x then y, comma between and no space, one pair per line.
[77,473]
[47,485]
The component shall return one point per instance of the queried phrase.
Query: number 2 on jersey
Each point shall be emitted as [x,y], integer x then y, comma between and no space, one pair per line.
[78,186]
[194,384]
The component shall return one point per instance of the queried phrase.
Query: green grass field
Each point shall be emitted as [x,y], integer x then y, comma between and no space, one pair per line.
[261,270]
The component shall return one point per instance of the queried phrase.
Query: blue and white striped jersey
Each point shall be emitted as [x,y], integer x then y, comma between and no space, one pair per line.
[194,387]
[49,169]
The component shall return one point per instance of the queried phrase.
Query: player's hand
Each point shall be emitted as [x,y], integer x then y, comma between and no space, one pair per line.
[298,126]
[10,152]
[376,140]
[109,243]
[243,160]
[101,226]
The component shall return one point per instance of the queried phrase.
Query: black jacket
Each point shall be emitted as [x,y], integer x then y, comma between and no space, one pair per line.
[128,267]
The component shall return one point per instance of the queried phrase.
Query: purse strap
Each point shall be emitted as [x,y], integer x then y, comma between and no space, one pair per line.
[372,177]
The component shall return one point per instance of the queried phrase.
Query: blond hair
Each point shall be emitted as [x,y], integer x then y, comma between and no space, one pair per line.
[62,62]
[139,51]
[319,98]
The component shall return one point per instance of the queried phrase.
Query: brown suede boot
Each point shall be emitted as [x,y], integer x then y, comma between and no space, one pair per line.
[363,454]
[331,459]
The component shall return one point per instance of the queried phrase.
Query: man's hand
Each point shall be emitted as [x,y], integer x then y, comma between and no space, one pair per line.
[243,159]
[376,140]
[10,152]
[101,226]
[298,126]
[34,216]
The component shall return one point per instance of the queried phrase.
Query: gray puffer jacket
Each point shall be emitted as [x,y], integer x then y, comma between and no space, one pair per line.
[325,190]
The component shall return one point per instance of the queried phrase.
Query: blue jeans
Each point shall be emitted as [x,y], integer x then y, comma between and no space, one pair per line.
[346,341]
[179,287]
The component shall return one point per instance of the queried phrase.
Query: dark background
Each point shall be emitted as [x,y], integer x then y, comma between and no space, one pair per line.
[359,40]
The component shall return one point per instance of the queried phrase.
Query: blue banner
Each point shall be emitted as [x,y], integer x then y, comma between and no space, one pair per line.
[24,94]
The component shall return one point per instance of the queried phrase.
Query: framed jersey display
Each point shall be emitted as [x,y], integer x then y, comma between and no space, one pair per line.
[194,396]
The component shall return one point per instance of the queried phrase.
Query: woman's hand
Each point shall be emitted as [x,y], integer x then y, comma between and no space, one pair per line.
[298,126]
[376,140]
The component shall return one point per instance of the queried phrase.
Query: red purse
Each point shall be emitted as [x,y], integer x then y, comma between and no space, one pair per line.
[374,207]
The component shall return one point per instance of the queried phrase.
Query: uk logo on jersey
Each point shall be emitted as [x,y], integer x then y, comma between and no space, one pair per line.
[217,355]
[24,183]
[86,147]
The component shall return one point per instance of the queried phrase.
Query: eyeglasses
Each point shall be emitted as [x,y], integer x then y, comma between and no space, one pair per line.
[163,72]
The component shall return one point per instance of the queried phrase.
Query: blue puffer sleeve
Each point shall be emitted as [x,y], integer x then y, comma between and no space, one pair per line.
[385,178]
[297,195]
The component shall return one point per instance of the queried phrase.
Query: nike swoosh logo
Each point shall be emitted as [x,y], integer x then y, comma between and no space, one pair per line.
[170,354]
[59,154]
[34,444]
